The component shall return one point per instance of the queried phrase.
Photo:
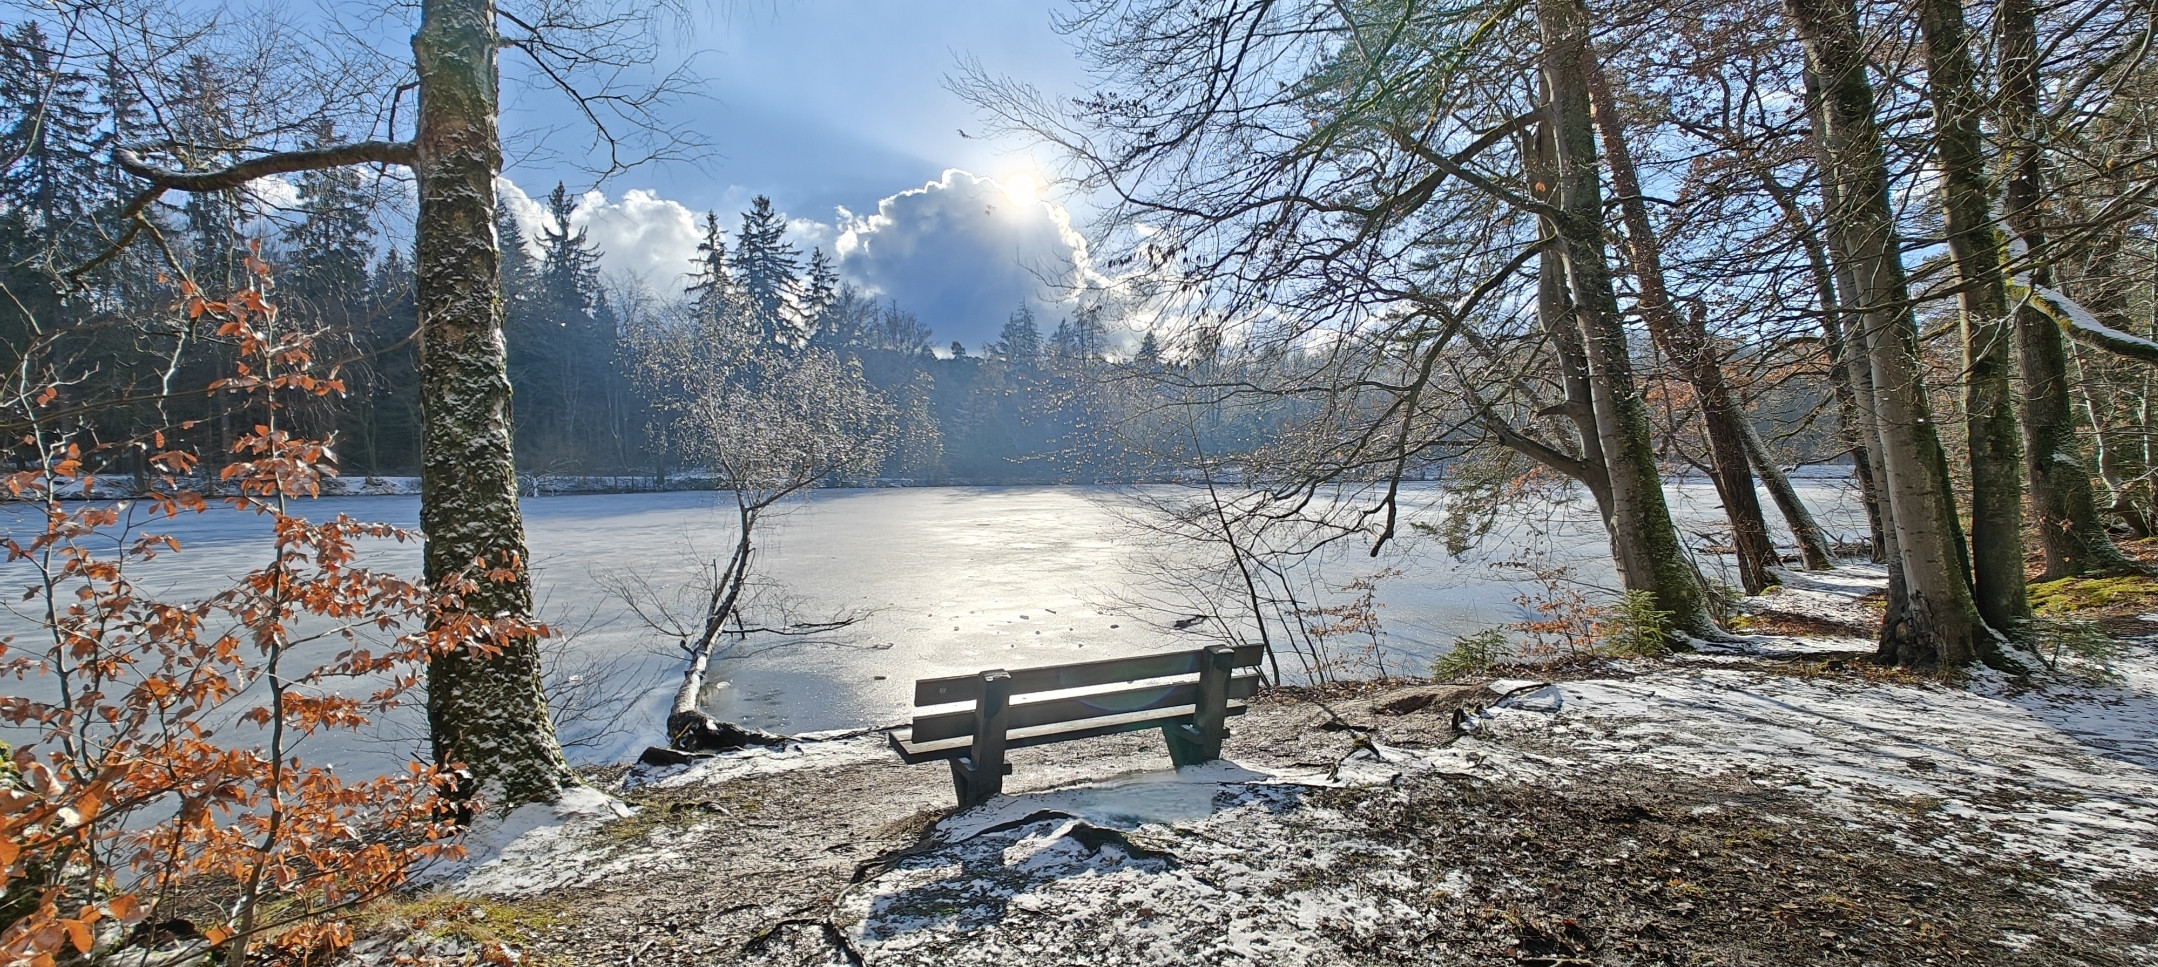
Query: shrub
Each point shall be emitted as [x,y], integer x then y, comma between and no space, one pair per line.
[162,775]
[2074,646]
[1633,628]
[1473,654]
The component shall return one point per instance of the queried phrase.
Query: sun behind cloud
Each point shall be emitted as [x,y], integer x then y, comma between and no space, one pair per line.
[1022,188]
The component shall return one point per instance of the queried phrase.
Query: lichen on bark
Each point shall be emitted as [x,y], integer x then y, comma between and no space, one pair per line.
[486,708]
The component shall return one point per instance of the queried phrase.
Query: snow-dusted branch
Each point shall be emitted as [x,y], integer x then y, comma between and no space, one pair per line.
[2082,325]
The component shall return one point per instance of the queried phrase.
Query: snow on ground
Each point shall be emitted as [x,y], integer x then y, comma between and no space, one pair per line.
[811,752]
[2061,777]
[2041,775]
[2030,809]
[538,848]
[529,849]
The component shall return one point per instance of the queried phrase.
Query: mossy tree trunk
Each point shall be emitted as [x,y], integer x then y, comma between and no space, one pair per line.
[1646,544]
[485,707]
[1988,334]
[2059,476]
[1938,623]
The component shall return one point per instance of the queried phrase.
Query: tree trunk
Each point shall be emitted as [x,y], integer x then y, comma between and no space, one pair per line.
[2117,408]
[1940,624]
[1646,545]
[1843,364]
[1555,315]
[1813,549]
[485,706]
[1685,339]
[1988,337]
[2060,481]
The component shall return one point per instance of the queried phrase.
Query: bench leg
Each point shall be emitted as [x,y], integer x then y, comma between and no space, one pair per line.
[1184,750]
[963,784]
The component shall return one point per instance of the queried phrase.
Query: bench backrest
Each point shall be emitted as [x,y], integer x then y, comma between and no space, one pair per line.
[1243,683]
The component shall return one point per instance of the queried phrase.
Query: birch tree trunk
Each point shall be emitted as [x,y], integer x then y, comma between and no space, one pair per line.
[1939,624]
[485,707]
[1646,545]
[1988,337]
[2060,478]
[1686,341]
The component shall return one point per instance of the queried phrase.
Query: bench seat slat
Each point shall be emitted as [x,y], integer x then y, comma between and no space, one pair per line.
[967,688]
[915,753]
[948,725]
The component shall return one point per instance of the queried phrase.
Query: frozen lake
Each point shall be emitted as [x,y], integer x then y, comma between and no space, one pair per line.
[948,581]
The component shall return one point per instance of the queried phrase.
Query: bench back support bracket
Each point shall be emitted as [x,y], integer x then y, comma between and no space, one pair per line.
[1200,741]
[981,774]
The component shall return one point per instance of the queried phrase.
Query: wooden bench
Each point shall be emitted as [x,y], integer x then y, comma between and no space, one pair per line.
[1188,695]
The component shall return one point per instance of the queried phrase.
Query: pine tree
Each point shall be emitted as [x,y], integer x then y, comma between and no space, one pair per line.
[1064,342]
[820,293]
[1020,341]
[127,120]
[201,130]
[330,248]
[1149,354]
[764,266]
[569,265]
[562,347]
[51,136]
[519,278]
[712,292]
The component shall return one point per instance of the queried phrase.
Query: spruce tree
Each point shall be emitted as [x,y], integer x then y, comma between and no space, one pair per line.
[820,293]
[1149,354]
[764,266]
[201,137]
[1020,341]
[329,250]
[569,265]
[519,276]
[562,347]
[1064,342]
[49,130]
[127,121]
[712,290]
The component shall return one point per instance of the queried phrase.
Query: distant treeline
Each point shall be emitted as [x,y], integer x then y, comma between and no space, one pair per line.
[1026,407]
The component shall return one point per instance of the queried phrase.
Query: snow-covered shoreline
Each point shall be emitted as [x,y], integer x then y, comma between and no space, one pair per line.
[1767,793]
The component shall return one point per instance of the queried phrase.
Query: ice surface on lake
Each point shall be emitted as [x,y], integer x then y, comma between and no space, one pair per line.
[951,580]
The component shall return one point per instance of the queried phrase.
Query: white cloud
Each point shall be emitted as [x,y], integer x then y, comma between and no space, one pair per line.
[643,234]
[963,251]
[274,194]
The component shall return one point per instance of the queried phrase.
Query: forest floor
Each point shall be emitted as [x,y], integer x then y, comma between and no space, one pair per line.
[1779,802]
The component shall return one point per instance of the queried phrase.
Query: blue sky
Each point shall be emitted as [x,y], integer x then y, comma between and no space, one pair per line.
[837,109]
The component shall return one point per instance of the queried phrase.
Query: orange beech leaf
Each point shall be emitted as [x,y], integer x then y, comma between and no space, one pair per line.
[125,908]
